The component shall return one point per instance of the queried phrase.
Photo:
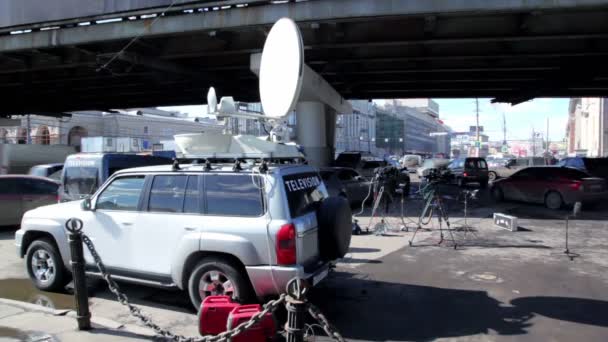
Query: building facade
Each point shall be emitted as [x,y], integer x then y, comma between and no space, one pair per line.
[587,131]
[393,127]
[423,131]
[149,124]
[357,131]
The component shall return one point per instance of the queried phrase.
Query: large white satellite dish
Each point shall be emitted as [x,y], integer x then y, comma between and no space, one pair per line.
[211,101]
[281,69]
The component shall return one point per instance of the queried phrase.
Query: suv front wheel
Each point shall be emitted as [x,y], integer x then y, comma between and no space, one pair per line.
[45,267]
[214,276]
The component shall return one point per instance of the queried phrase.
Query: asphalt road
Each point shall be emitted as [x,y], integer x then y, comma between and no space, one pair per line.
[496,286]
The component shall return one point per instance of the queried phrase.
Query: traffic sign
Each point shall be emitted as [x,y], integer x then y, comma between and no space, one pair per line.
[505,149]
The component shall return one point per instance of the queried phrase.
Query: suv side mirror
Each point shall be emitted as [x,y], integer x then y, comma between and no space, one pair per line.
[87,205]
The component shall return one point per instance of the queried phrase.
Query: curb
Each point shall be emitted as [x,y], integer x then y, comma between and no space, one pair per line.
[100,321]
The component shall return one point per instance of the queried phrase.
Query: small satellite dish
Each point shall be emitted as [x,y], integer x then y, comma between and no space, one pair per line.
[211,101]
[281,69]
[227,105]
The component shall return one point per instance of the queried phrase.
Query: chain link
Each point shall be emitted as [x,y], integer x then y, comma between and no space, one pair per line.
[269,307]
[320,317]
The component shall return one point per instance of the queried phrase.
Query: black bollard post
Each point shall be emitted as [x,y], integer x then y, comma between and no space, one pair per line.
[83,315]
[296,310]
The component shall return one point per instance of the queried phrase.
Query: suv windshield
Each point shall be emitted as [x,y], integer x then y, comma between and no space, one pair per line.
[304,192]
[80,180]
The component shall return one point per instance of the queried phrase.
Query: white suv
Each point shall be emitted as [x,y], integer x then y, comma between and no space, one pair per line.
[208,229]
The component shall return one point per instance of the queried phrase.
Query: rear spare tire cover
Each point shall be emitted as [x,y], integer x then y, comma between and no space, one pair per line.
[335,227]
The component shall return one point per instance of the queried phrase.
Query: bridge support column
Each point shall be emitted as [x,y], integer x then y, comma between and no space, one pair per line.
[311,132]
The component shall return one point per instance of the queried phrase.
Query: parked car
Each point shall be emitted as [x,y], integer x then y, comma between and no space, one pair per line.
[346,182]
[20,193]
[497,171]
[552,186]
[83,173]
[597,167]
[412,162]
[432,163]
[221,231]
[469,170]
[52,171]
[364,163]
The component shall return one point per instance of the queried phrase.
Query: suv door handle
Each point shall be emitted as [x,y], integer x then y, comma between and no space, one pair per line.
[127,223]
[190,229]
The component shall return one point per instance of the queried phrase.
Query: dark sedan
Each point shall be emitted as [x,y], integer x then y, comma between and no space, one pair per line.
[552,186]
[343,181]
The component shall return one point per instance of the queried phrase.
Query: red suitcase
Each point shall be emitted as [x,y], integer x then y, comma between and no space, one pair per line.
[265,330]
[213,314]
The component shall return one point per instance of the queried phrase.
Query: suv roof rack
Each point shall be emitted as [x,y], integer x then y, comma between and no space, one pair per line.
[264,159]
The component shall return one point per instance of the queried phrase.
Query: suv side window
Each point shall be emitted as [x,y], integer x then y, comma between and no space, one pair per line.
[167,194]
[234,195]
[174,194]
[122,194]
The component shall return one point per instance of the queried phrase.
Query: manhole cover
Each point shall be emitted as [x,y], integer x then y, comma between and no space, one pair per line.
[486,277]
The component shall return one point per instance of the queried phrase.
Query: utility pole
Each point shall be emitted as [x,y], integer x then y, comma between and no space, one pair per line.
[478,142]
[504,129]
[533,143]
[547,132]
[29,130]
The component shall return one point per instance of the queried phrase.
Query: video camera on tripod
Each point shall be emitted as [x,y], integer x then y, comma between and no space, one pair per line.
[436,175]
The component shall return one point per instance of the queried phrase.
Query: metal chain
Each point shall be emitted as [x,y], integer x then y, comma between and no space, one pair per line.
[269,307]
[329,329]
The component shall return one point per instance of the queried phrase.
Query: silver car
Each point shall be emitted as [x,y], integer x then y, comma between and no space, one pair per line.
[218,230]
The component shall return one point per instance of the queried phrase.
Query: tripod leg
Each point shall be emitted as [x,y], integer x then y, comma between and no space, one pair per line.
[567,251]
[440,228]
[404,228]
[447,222]
[411,242]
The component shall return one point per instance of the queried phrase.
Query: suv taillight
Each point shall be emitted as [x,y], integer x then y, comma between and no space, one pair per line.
[286,245]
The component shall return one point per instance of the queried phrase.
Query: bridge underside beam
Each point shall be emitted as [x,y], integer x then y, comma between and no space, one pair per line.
[364,49]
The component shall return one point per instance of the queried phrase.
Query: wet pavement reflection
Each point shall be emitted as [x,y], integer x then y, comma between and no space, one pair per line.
[23,290]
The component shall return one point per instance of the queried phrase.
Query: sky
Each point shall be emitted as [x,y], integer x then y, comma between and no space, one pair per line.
[459,114]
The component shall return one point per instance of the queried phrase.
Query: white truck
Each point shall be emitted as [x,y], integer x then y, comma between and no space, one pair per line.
[17,158]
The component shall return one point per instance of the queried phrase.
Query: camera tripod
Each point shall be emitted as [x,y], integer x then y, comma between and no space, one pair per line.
[434,204]
[381,227]
[465,227]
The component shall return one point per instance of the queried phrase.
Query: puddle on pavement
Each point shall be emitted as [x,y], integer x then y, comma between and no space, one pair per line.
[23,290]
[20,335]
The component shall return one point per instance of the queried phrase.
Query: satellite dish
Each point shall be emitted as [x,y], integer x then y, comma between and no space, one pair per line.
[227,105]
[211,101]
[281,69]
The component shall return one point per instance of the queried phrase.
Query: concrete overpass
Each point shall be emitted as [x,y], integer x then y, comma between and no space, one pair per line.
[54,55]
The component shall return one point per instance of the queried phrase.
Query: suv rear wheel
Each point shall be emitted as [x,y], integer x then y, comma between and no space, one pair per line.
[215,276]
[45,267]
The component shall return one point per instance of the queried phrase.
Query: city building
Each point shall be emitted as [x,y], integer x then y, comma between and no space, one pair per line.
[423,131]
[157,126]
[587,130]
[357,131]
